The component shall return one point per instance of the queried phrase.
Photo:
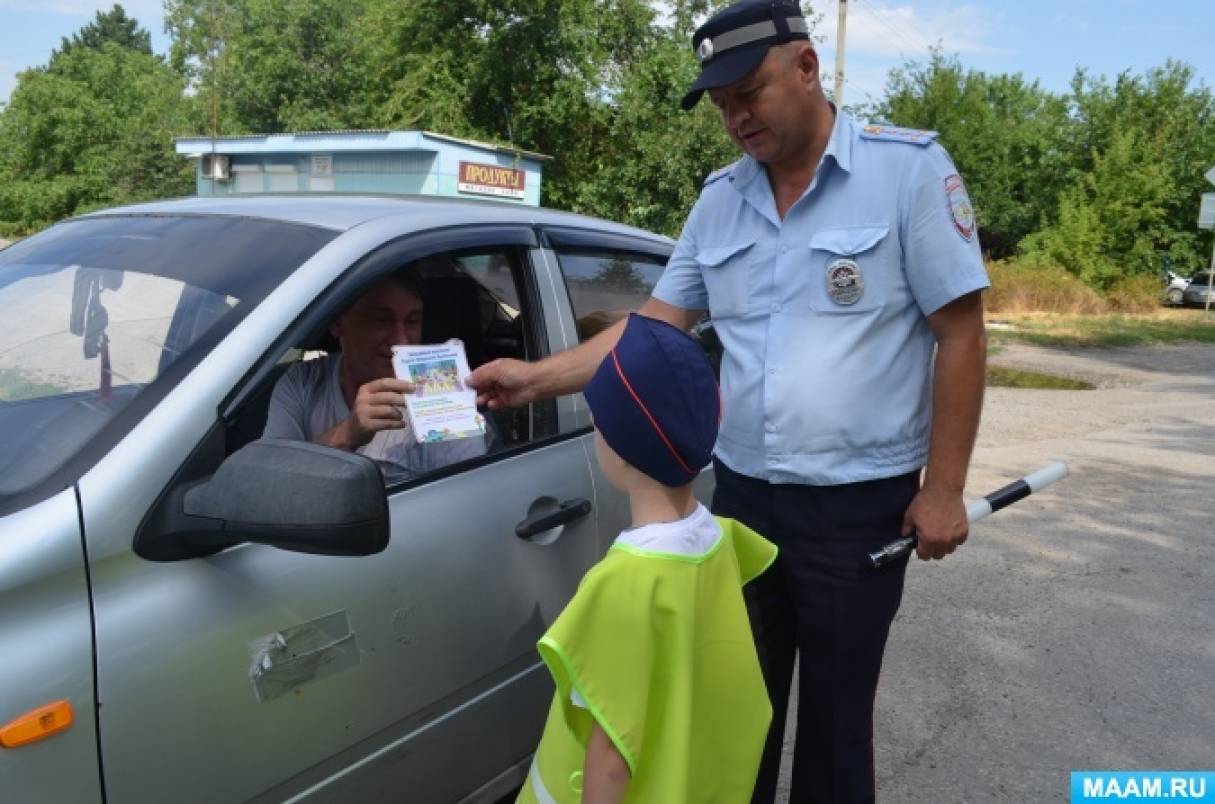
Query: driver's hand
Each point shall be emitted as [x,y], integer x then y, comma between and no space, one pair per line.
[379,405]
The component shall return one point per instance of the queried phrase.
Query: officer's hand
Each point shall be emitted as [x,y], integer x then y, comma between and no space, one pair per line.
[503,383]
[938,518]
[377,406]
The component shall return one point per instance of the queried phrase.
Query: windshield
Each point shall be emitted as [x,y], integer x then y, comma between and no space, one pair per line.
[100,317]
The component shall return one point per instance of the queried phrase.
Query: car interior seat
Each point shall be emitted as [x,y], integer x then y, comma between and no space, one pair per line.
[452,309]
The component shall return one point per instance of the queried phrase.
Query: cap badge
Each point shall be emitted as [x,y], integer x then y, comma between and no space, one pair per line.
[704,51]
[845,282]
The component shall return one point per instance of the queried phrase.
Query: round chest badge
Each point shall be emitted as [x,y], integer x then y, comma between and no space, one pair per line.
[845,283]
[959,206]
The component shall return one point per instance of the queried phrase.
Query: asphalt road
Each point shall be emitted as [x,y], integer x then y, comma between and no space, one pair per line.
[1076,629]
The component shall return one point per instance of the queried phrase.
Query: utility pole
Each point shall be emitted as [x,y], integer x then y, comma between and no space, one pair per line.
[840,38]
[1209,224]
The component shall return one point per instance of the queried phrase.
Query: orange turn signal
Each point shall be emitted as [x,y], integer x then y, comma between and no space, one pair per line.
[45,721]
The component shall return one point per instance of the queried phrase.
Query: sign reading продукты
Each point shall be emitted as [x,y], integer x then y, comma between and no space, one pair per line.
[501,182]
[1193,786]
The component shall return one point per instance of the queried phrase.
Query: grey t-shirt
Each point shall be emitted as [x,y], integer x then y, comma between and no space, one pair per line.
[307,401]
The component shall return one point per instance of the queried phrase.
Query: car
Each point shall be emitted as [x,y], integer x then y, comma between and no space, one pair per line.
[193,613]
[1199,290]
[1174,287]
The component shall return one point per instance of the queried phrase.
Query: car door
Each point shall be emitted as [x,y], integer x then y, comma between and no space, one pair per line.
[256,673]
[47,638]
[608,275]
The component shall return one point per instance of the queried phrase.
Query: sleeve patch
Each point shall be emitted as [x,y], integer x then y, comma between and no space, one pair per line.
[896,134]
[960,209]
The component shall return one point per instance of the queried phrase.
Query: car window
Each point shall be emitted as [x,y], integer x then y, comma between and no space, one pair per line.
[98,316]
[605,286]
[479,297]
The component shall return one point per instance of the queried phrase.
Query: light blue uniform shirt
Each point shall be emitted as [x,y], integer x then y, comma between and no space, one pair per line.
[828,384]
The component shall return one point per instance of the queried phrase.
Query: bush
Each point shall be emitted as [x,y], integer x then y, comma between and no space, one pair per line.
[1135,294]
[1022,286]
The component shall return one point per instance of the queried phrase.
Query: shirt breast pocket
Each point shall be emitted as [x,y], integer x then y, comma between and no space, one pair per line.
[852,270]
[727,271]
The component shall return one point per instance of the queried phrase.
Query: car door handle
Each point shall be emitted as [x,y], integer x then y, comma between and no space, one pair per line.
[569,511]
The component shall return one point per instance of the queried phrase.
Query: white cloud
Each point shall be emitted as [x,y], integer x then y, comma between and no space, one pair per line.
[901,30]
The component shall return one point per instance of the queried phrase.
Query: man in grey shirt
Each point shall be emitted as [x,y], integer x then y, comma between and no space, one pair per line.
[352,400]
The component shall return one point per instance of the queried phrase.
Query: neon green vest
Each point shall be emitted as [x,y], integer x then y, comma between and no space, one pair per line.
[660,649]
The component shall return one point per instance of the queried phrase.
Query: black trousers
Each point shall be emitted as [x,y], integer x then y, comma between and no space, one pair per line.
[820,600]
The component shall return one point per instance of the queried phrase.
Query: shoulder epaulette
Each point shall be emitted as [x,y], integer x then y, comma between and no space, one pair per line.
[895,134]
[720,172]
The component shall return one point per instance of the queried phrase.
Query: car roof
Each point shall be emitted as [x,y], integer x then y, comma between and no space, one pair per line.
[341,212]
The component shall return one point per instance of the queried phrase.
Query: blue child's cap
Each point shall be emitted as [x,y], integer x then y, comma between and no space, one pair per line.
[655,401]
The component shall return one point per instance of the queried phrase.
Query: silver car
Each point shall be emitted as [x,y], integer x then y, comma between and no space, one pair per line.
[1199,290]
[191,613]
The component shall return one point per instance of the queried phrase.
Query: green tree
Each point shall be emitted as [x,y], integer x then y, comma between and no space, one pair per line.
[538,74]
[1010,139]
[655,159]
[1112,223]
[272,65]
[108,26]
[1173,124]
[94,128]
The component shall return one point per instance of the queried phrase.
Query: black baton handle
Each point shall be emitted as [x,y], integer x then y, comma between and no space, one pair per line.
[980,509]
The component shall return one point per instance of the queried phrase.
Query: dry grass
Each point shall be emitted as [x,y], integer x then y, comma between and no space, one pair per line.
[1111,329]
[1135,294]
[1045,304]
[1020,287]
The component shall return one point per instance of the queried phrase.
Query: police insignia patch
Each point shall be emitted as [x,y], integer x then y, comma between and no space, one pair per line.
[960,210]
[845,282]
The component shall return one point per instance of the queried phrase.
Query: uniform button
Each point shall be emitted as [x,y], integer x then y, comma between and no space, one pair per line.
[776,308]
[770,427]
[771,371]
[784,249]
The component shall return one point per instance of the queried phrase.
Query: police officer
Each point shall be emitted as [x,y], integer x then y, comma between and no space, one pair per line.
[841,267]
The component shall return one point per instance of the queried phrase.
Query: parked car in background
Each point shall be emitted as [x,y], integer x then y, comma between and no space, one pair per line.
[192,614]
[1199,290]
[1174,287]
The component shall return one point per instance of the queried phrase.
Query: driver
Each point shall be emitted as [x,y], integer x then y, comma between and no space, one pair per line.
[352,400]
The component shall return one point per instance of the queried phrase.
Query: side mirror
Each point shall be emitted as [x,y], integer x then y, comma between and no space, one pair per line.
[287,494]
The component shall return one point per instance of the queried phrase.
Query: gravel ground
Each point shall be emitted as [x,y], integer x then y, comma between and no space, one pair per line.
[1075,630]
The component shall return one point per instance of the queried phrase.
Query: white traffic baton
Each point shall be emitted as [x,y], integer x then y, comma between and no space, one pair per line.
[981,508]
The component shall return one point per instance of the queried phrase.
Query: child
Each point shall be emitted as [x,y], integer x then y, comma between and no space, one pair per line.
[659,692]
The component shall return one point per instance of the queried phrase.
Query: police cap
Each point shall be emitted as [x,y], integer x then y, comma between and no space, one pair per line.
[734,41]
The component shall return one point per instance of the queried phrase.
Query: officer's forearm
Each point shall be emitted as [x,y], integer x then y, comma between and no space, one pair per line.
[569,371]
[957,400]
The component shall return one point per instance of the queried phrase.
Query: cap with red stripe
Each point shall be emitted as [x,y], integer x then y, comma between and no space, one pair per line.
[655,401]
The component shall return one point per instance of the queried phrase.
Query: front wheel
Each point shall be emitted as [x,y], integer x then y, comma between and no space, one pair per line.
[1174,296]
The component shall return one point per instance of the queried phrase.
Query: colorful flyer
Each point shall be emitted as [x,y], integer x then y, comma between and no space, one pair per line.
[442,406]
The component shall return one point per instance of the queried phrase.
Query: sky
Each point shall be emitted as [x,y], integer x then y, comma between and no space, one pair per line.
[1041,39]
